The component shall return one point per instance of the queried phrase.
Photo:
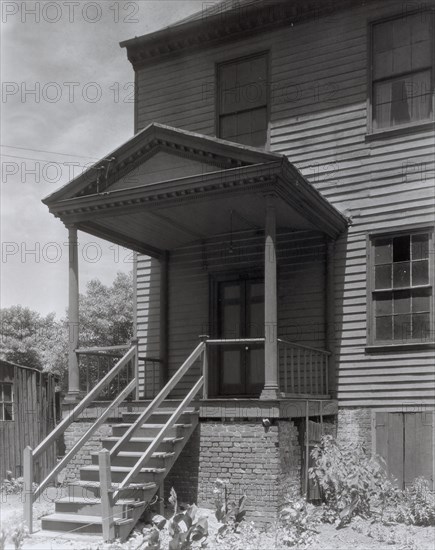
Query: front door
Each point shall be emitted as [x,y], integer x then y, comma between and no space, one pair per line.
[241,315]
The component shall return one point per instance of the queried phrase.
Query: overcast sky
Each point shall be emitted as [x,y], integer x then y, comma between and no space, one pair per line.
[66,98]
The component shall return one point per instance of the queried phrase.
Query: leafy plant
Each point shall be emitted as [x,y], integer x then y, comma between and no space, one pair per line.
[186,529]
[416,505]
[18,535]
[298,523]
[350,481]
[12,485]
[229,513]
[3,537]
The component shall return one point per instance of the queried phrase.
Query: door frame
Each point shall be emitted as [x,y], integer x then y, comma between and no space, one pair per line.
[215,280]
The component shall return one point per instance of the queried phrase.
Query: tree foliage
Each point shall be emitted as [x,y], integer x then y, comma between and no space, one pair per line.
[106,318]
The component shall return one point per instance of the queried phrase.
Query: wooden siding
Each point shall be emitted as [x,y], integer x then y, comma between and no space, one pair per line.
[319,93]
[301,291]
[34,418]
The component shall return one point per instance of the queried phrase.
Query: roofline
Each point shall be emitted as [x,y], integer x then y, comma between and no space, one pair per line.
[36,369]
[231,24]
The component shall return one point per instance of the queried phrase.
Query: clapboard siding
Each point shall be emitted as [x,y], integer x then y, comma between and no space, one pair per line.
[318,92]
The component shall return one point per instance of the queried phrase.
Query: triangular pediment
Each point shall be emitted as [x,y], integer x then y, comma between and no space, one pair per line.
[159,154]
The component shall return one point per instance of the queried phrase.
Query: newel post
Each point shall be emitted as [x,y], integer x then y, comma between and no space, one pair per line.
[204,338]
[271,370]
[28,487]
[106,493]
[73,317]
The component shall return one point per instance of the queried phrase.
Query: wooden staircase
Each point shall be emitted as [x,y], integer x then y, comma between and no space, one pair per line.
[124,477]
[81,511]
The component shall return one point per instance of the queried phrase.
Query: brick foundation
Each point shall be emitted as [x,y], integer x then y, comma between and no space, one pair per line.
[355,426]
[264,464]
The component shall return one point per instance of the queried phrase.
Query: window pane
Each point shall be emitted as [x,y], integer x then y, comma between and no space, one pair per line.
[401,274]
[421,326]
[384,328]
[383,304]
[383,251]
[7,392]
[228,127]
[402,302]
[383,36]
[383,276]
[421,301]
[2,417]
[402,327]
[420,247]
[401,248]
[8,411]
[420,272]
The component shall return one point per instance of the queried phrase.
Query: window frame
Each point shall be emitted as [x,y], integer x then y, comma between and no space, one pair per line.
[385,345]
[3,402]
[220,63]
[409,126]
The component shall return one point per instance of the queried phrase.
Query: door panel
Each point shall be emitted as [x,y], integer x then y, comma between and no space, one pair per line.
[241,315]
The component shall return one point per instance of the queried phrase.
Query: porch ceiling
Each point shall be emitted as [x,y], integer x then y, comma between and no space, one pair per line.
[221,187]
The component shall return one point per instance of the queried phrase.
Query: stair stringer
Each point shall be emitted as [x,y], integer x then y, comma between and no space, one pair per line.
[123,530]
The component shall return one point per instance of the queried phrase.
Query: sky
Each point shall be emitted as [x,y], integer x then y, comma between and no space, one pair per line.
[66,101]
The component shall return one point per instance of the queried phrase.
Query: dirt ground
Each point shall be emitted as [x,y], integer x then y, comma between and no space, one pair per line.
[360,535]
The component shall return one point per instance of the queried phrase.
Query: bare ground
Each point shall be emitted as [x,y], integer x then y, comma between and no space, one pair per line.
[360,535]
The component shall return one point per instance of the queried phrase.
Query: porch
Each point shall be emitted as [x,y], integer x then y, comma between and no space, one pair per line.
[169,193]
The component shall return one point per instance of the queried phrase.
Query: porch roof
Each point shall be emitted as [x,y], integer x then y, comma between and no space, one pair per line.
[166,187]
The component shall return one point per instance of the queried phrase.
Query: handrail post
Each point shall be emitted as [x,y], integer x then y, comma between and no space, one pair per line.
[28,487]
[135,344]
[106,491]
[204,338]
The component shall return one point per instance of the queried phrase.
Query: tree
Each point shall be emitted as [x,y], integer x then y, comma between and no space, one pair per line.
[106,319]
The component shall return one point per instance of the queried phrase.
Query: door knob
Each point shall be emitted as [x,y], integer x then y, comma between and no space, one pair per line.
[247,348]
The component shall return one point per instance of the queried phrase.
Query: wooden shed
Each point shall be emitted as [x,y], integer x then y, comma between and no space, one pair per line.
[29,408]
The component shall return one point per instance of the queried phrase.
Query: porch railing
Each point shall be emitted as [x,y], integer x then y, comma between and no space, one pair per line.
[31,455]
[304,369]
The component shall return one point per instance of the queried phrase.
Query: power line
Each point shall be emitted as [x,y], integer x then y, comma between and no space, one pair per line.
[45,151]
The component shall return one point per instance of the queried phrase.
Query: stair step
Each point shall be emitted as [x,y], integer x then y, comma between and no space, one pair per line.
[92,506]
[129,458]
[161,415]
[136,444]
[92,473]
[91,489]
[77,522]
[150,430]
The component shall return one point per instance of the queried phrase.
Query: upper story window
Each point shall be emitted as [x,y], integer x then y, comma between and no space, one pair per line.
[401,288]
[6,401]
[402,71]
[243,112]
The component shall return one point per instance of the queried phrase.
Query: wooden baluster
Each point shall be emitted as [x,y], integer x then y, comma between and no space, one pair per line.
[305,372]
[318,371]
[28,487]
[205,372]
[292,372]
[106,491]
[285,369]
[326,374]
[299,370]
[322,381]
[311,373]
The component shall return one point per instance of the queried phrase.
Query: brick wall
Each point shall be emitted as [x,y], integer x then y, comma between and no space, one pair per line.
[262,464]
[355,426]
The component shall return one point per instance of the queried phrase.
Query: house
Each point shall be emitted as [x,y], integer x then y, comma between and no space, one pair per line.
[29,409]
[278,194]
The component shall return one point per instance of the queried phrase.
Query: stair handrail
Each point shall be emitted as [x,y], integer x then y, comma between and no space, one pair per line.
[30,455]
[160,397]
[158,439]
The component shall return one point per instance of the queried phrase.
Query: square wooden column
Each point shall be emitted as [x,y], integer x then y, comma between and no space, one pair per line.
[271,364]
[73,318]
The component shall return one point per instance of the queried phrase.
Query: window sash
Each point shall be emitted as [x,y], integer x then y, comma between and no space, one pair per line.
[401,315]
[6,402]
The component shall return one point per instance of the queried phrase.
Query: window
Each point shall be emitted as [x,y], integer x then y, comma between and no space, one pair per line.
[401,67]
[243,100]
[401,289]
[6,401]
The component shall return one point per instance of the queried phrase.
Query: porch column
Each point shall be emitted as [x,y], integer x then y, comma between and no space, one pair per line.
[330,315]
[271,369]
[73,317]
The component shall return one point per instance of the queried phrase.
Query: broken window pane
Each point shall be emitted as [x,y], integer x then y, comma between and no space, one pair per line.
[401,274]
[401,248]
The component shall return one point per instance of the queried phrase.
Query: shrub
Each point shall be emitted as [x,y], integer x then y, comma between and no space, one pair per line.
[350,481]
[12,485]
[416,505]
[229,513]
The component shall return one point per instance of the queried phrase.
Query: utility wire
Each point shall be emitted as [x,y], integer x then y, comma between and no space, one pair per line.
[45,151]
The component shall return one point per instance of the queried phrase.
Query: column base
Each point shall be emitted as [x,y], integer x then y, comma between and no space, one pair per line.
[72,398]
[270,393]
